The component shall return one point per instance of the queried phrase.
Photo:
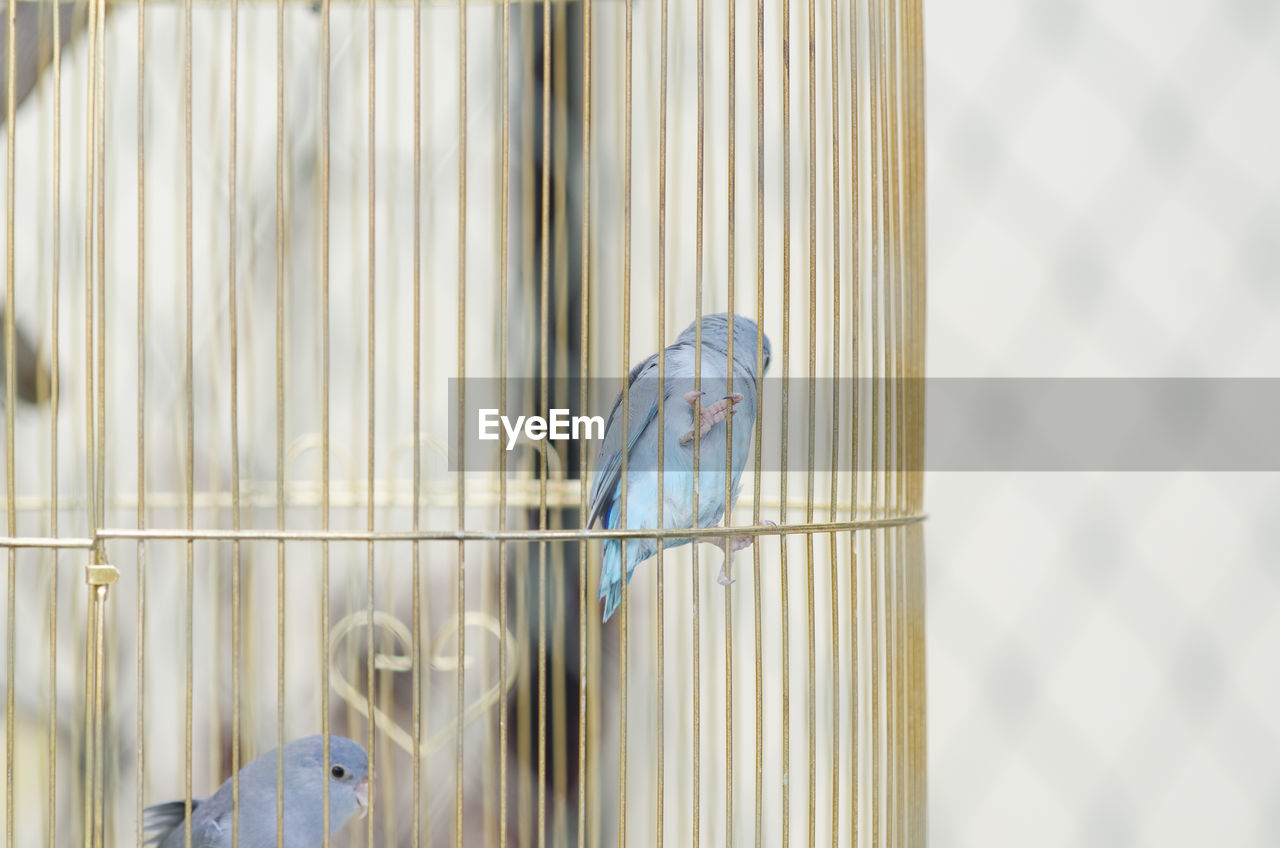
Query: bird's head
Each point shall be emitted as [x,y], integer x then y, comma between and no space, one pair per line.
[715,335]
[744,345]
[347,776]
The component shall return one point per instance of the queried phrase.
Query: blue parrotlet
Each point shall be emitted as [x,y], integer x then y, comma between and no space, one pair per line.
[304,780]
[685,407]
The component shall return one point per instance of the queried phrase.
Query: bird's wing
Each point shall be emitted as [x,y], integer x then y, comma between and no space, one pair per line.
[161,820]
[212,830]
[643,393]
[643,405]
[163,825]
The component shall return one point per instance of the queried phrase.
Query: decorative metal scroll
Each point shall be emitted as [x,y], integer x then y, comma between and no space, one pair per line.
[402,661]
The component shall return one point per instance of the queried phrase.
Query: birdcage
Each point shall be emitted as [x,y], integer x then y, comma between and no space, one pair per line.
[261,261]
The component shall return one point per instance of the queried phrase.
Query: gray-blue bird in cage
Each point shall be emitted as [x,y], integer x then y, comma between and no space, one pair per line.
[709,405]
[304,779]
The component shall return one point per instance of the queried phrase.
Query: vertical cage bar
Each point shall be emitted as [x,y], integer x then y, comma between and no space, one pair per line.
[503,318]
[371,435]
[188,389]
[95,265]
[462,371]
[877,289]
[99,151]
[86,830]
[95,697]
[697,431]
[560,231]
[54,341]
[812,442]
[140,695]
[917,163]
[731,286]
[544,294]
[325,144]
[660,694]
[623,653]
[104,574]
[833,494]
[890,285]
[584,607]
[759,431]
[898,349]
[786,420]
[89,186]
[281,456]
[855,339]
[10,666]
[234,365]
[525,707]
[418,622]
[10,381]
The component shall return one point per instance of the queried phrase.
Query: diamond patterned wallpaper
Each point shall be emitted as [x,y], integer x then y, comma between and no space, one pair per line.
[1104,201]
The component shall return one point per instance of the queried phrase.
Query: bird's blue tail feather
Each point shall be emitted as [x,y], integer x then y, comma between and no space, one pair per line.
[611,577]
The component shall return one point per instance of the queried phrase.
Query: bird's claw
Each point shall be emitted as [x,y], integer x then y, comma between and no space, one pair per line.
[709,416]
[731,545]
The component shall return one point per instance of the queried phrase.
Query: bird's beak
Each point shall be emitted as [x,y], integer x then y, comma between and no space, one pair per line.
[362,796]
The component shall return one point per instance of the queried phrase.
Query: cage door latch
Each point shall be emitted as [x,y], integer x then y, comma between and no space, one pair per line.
[101,574]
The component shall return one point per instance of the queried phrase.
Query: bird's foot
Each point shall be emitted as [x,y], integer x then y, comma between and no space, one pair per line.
[731,545]
[709,416]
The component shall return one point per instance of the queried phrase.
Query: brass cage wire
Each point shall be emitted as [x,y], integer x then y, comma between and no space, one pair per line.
[243,308]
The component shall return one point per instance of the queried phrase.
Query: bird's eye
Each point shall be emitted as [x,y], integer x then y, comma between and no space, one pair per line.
[338,772]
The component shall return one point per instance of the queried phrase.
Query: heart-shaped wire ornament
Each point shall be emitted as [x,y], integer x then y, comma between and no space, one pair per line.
[436,661]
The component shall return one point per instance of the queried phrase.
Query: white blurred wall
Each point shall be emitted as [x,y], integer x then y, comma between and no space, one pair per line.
[1104,200]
